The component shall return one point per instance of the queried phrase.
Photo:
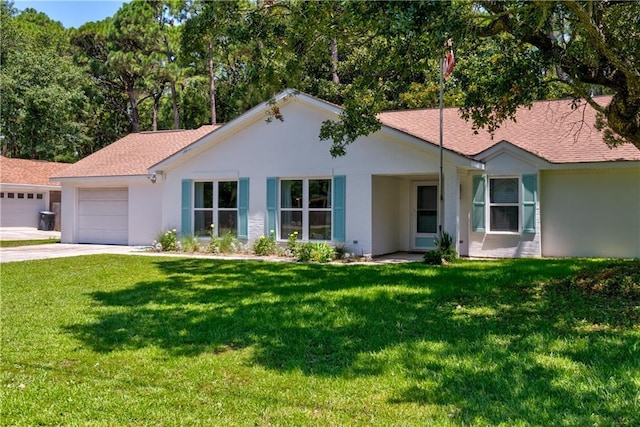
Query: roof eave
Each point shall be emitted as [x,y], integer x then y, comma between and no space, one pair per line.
[605,164]
[104,178]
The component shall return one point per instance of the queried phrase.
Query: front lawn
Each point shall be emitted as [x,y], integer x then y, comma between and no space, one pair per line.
[132,340]
[16,243]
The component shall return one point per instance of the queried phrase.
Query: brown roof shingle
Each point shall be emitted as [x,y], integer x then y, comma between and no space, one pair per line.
[135,153]
[551,130]
[29,172]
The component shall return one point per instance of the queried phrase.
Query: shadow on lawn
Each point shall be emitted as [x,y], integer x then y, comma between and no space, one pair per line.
[493,342]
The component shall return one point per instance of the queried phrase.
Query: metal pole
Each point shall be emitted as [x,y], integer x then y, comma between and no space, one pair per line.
[441,177]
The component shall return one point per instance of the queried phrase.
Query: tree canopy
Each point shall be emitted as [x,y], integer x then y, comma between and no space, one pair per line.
[184,63]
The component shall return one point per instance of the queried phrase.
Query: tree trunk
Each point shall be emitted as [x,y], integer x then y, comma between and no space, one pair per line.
[212,85]
[134,117]
[174,100]
[334,60]
[156,108]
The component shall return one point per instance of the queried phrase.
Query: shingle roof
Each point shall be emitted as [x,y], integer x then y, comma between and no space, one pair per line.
[29,172]
[551,130]
[135,153]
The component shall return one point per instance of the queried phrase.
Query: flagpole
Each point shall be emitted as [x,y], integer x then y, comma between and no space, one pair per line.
[441,177]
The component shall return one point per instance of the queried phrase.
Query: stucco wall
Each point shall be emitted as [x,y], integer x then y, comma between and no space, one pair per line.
[390,196]
[145,213]
[592,213]
[503,245]
[292,149]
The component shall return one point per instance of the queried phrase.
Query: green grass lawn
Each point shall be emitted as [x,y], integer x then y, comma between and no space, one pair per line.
[133,340]
[15,243]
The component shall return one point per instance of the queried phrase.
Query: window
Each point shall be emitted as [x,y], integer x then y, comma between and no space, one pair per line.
[215,203]
[504,204]
[305,207]
[20,195]
[39,196]
[30,196]
[11,195]
[1,195]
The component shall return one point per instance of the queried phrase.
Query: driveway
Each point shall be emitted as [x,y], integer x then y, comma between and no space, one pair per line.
[61,250]
[27,233]
[53,250]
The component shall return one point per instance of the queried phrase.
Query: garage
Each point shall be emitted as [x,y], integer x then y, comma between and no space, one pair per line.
[21,209]
[103,216]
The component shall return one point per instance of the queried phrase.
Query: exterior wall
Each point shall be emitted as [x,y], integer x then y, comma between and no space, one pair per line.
[69,213]
[388,217]
[499,244]
[452,203]
[591,213]
[145,213]
[292,149]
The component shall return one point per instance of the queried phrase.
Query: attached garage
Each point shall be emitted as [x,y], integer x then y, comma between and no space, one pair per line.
[103,216]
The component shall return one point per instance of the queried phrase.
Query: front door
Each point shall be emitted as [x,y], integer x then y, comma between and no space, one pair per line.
[424,215]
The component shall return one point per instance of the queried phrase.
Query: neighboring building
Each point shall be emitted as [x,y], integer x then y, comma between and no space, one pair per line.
[545,185]
[25,190]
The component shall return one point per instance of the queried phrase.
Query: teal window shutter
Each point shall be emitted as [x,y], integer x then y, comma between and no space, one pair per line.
[243,208]
[529,199]
[272,206]
[185,228]
[478,208]
[339,202]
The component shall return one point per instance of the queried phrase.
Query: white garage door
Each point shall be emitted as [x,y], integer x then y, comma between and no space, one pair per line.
[21,209]
[103,216]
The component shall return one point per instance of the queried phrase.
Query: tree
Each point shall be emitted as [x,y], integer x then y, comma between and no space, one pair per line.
[579,45]
[510,53]
[134,46]
[43,103]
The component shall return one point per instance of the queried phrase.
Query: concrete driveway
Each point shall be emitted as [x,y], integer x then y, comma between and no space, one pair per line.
[61,250]
[53,250]
[27,233]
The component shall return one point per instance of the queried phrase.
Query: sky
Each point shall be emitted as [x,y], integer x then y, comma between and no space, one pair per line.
[72,13]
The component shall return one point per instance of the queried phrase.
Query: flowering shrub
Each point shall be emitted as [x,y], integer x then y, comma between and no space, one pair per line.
[228,244]
[293,246]
[168,241]
[214,243]
[266,245]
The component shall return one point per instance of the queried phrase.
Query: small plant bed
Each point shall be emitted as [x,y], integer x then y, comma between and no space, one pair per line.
[265,246]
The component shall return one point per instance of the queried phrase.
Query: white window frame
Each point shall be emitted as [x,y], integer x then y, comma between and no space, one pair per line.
[517,204]
[305,207]
[215,209]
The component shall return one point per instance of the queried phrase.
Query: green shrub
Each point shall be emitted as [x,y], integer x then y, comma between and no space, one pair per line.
[190,244]
[265,246]
[167,241]
[293,246]
[446,247]
[445,251]
[339,251]
[315,251]
[229,244]
[433,257]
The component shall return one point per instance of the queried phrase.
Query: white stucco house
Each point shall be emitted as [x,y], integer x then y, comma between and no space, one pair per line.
[25,190]
[545,185]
